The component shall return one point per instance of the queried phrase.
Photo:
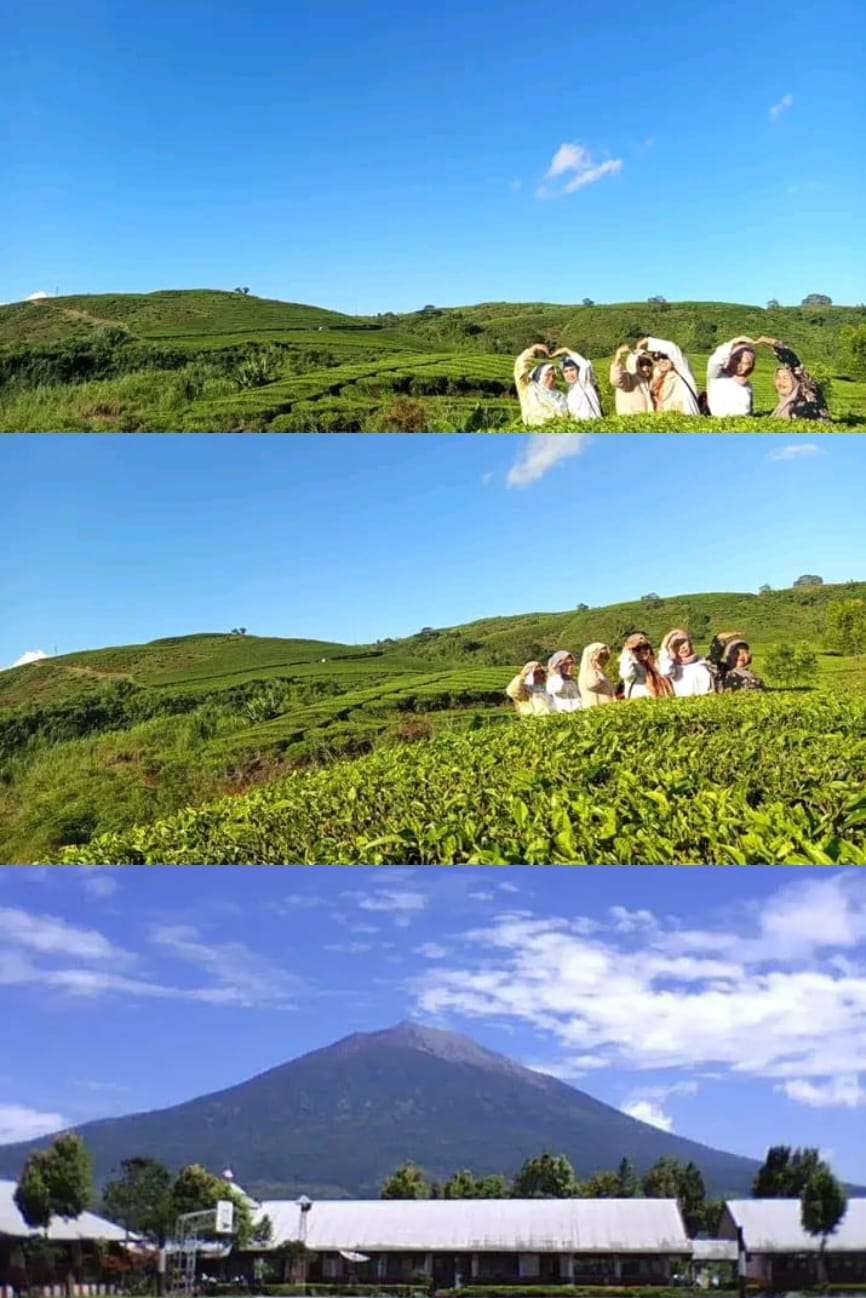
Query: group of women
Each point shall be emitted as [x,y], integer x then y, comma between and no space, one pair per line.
[678,671]
[655,374]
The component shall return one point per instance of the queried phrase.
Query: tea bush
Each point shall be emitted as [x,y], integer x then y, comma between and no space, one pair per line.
[750,779]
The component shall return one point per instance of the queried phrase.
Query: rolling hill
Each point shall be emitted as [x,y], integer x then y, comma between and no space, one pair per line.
[205,360]
[103,740]
[337,1121]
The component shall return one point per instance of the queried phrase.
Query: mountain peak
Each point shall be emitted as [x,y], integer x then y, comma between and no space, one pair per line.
[451,1047]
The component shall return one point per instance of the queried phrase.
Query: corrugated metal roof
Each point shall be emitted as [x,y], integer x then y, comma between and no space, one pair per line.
[714,1250]
[773,1226]
[485,1225]
[61,1229]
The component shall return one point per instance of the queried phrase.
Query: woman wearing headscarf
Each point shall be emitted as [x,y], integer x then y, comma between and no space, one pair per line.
[528,693]
[561,685]
[800,396]
[673,384]
[640,675]
[690,674]
[581,396]
[630,379]
[729,391]
[738,674]
[667,655]
[535,381]
[592,683]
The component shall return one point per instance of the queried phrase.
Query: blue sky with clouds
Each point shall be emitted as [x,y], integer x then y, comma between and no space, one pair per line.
[376,156]
[725,1004]
[128,538]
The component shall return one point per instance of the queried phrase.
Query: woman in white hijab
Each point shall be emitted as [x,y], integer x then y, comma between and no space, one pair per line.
[528,692]
[540,399]
[582,396]
[673,386]
[687,671]
[561,685]
[592,683]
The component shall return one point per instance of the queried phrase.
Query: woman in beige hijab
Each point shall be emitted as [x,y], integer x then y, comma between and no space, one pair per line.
[593,685]
[528,691]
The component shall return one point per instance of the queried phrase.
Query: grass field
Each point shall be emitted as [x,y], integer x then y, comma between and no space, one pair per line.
[201,360]
[119,739]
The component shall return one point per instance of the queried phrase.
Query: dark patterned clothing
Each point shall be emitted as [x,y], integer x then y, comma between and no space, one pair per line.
[742,678]
[806,400]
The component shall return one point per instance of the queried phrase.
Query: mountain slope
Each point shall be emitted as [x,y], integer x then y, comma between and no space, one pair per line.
[338,1120]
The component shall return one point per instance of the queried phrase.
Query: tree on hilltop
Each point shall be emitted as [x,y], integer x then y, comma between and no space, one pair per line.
[808,579]
[817,299]
[773,303]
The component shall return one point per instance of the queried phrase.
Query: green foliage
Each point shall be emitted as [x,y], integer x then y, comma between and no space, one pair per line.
[784,1172]
[407,1182]
[846,626]
[548,1176]
[140,1199]
[174,361]
[196,1189]
[32,1193]
[601,1185]
[823,1204]
[787,664]
[55,1182]
[728,779]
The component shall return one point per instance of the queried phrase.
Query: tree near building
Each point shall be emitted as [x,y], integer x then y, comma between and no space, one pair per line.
[32,1195]
[669,1178]
[140,1199]
[196,1190]
[784,1172]
[406,1183]
[628,1181]
[823,1204]
[601,1185]
[55,1182]
[548,1176]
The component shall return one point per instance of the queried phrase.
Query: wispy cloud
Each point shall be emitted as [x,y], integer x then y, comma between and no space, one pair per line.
[402,904]
[796,451]
[240,976]
[20,1123]
[349,948]
[486,479]
[571,168]
[540,452]
[781,107]
[649,1111]
[431,950]
[100,884]
[49,935]
[840,1092]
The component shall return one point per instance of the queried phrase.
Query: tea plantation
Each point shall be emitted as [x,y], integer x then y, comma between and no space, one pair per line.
[203,360]
[237,734]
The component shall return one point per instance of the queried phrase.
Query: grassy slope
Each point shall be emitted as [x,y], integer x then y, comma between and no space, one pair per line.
[196,731]
[449,362]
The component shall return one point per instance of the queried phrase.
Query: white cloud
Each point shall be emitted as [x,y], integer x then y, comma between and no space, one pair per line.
[37,296]
[486,479]
[781,107]
[631,921]
[508,887]
[646,1111]
[482,896]
[20,1123]
[840,1092]
[31,656]
[752,994]
[796,451]
[349,948]
[99,885]
[431,950]
[51,936]
[540,452]
[576,163]
[402,904]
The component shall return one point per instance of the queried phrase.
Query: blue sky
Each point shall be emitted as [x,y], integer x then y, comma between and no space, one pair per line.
[120,539]
[748,986]
[377,156]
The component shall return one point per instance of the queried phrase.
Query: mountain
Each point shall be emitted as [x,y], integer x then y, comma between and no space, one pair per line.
[337,1121]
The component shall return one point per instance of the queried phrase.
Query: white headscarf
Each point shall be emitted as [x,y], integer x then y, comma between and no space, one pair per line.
[582,397]
[550,397]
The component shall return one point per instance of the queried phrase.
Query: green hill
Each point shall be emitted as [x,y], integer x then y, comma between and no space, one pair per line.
[103,740]
[202,360]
